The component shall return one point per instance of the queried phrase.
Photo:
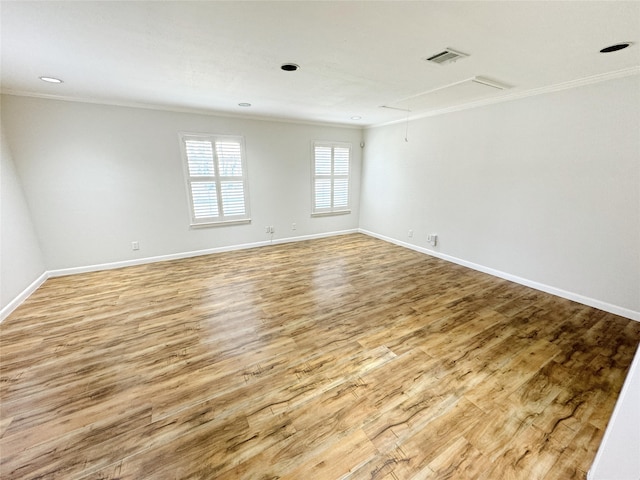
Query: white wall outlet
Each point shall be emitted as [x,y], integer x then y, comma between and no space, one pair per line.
[432,239]
[410,234]
[135,246]
[293,226]
[271,229]
[267,229]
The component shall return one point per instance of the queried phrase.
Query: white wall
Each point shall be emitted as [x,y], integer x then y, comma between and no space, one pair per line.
[545,188]
[618,456]
[99,177]
[21,261]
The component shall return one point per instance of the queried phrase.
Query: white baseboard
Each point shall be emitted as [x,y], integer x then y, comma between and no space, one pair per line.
[15,303]
[143,261]
[623,312]
[314,236]
[176,256]
[591,302]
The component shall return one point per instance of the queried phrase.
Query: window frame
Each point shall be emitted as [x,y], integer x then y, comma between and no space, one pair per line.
[220,219]
[343,210]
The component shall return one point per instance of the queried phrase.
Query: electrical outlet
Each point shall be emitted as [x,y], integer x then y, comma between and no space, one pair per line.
[432,239]
[410,234]
[135,246]
[267,229]
[293,226]
[271,229]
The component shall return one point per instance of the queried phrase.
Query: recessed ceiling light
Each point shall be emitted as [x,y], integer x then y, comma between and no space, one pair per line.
[51,80]
[615,48]
[244,104]
[356,117]
[289,67]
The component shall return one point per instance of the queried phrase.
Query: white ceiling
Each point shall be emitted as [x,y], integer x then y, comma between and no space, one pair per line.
[354,57]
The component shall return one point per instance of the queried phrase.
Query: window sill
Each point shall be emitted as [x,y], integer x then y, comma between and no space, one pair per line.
[223,223]
[327,214]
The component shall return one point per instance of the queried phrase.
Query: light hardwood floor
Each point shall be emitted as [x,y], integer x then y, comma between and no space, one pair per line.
[344,357]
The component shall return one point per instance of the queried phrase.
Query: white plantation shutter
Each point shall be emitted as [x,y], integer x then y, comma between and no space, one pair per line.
[205,199]
[341,161]
[331,178]
[216,179]
[323,194]
[232,198]
[340,193]
[323,160]
[229,159]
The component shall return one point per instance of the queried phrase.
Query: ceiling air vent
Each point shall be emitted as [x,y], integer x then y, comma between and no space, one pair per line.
[446,56]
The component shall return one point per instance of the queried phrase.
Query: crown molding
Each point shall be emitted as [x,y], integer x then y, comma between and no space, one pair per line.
[603,77]
[175,109]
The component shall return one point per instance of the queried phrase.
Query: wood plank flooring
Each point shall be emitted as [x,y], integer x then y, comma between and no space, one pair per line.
[339,358]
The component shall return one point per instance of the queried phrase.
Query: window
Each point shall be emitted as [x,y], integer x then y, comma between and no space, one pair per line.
[331,178]
[216,179]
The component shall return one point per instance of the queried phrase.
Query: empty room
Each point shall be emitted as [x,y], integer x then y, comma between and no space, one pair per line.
[320,240]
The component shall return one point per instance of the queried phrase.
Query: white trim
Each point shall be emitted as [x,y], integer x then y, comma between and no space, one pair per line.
[17,301]
[607,307]
[329,214]
[314,236]
[268,118]
[177,256]
[224,223]
[143,261]
[167,108]
[626,72]
[591,302]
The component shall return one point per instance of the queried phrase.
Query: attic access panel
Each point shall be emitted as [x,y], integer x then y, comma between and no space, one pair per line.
[458,93]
